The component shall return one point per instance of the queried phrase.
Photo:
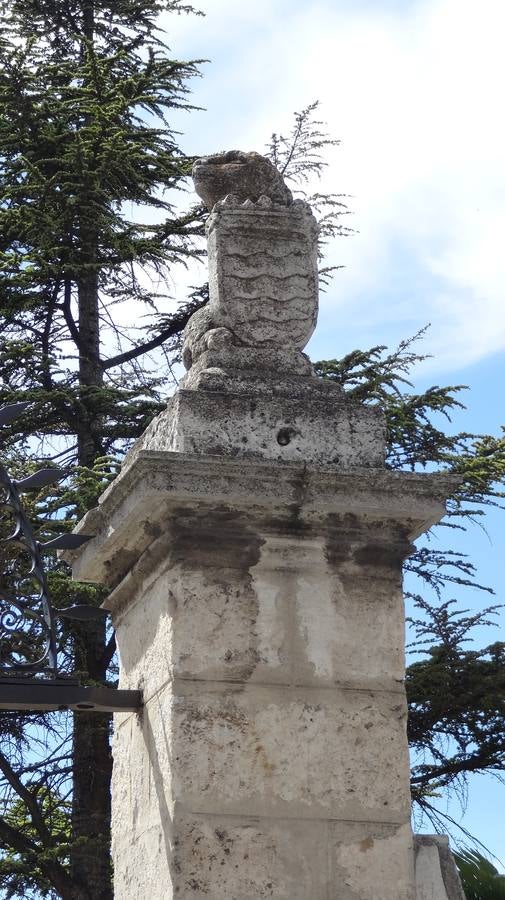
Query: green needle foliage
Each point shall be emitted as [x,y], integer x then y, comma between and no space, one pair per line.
[86,89]
[456,692]
[16,880]
[481,880]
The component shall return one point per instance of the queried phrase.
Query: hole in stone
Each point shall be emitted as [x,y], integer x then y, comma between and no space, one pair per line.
[284,436]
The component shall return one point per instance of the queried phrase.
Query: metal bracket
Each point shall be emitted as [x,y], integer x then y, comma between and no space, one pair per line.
[62,694]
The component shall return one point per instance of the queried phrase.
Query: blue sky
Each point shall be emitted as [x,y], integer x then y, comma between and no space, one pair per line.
[414,92]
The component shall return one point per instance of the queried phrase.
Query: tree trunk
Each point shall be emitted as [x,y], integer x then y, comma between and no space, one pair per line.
[90,370]
[92,762]
[92,768]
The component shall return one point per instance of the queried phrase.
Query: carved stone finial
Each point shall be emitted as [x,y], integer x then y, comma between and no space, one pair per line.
[263,280]
[244,176]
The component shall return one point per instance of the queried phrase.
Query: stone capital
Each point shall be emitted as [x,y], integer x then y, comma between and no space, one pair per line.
[277,498]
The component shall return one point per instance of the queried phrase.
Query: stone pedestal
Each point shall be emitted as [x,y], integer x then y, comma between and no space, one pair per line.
[258,606]
[253,546]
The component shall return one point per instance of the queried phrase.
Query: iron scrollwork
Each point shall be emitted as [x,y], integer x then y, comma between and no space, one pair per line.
[27,636]
[29,676]
[27,618]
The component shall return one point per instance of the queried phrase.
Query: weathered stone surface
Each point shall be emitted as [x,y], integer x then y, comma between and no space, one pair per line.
[226,858]
[240,625]
[288,497]
[371,861]
[277,610]
[268,371]
[230,858]
[269,728]
[272,751]
[168,812]
[327,430]
[429,880]
[246,176]
[437,877]
[239,621]
[263,281]
[163,846]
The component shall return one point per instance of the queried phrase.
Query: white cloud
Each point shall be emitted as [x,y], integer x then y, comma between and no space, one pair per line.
[415,92]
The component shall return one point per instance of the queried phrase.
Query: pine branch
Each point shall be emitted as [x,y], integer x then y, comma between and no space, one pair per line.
[177,324]
[12,837]
[67,312]
[443,775]
[29,800]
[147,346]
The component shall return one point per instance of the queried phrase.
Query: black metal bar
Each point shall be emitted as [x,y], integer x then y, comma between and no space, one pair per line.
[58,694]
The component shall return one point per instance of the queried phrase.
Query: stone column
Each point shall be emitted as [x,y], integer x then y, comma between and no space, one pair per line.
[253,545]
